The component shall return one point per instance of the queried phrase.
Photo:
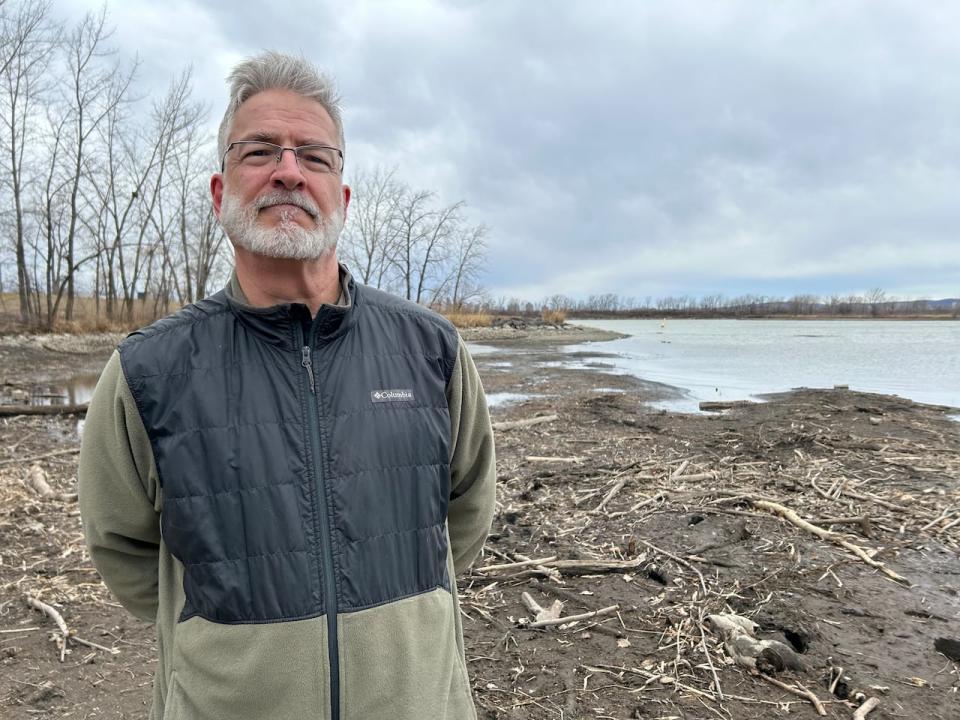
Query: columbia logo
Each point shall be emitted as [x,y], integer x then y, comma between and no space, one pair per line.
[391,395]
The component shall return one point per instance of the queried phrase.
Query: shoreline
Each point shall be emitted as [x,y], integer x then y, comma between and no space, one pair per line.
[568,334]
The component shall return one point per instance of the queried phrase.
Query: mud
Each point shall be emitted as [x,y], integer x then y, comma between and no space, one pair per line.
[687,506]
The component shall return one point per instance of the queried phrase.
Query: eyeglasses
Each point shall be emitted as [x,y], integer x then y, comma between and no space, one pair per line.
[310,158]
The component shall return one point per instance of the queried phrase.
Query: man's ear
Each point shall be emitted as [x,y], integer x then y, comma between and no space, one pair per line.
[216,192]
[346,200]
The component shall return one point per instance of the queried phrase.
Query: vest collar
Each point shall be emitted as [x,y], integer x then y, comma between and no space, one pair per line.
[283,324]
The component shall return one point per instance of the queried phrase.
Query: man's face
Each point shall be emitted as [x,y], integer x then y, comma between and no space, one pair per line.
[279,209]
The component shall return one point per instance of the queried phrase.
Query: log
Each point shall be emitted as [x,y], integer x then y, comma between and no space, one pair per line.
[511,424]
[718,405]
[13,410]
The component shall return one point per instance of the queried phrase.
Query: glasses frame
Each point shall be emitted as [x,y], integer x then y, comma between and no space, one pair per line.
[280,150]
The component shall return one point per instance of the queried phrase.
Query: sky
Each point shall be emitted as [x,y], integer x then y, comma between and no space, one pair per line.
[647,149]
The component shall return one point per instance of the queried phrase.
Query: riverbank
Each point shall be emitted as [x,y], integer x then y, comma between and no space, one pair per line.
[666,517]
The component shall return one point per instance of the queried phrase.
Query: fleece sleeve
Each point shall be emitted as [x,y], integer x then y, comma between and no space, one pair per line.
[119,501]
[473,471]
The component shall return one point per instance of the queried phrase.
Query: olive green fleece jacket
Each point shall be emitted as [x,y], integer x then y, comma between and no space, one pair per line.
[403,660]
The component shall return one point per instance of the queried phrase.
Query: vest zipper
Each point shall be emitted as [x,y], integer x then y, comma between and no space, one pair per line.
[326,539]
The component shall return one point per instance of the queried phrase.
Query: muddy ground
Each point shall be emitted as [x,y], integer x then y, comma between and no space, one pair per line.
[666,518]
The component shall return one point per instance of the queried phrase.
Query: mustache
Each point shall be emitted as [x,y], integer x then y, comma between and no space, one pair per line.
[281,197]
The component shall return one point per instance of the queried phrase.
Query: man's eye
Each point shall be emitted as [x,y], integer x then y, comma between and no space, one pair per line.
[318,161]
[254,153]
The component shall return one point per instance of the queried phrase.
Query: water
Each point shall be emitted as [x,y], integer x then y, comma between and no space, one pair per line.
[76,391]
[503,399]
[738,359]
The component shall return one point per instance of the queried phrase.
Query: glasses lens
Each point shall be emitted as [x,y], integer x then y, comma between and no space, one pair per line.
[312,158]
[319,158]
[255,154]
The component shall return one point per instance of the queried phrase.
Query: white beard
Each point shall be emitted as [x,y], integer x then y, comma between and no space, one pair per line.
[287,239]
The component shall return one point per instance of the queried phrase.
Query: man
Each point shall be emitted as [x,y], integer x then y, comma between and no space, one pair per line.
[287,476]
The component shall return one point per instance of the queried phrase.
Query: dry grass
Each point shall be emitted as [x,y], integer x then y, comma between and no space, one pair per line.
[464,319]
[557,317]
[86,318]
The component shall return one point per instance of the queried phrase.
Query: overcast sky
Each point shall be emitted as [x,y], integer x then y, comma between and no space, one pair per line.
[642,148]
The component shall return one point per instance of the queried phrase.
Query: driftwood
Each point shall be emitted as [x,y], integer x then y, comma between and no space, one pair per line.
[511,424]
[574,618]
[570,567]
[612,494]
[37,481]
[514,565]
[594,567]
[861,712]
[717,405]
[543,458]
[792,517]
[51,611]
[800,691]
[12,410]
[34,458]
[541,614]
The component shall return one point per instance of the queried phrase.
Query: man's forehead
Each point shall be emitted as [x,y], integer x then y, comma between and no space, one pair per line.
[270,114]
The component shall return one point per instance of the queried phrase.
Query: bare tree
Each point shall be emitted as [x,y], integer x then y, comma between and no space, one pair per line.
[412,221]
[27,47]
[469,255]
[369,241]
[92,92]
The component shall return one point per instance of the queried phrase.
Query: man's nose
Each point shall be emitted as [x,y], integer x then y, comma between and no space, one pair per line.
[287,172]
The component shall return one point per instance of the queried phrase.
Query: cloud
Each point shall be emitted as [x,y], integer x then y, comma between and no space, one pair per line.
[616,146]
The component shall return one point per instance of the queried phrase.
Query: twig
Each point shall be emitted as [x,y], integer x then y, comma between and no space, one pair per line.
[713,670]
[574,618]
[800,691]
[51,611]
[55,453]
[57,618]
[792,517]
[942,516]
[696,477]
[112,651]
[541,458]
[514,565]
[511,424]
[634,508]
[612,494]
[703,583]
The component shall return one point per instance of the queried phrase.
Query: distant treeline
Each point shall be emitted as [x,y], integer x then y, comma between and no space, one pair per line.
[873,304]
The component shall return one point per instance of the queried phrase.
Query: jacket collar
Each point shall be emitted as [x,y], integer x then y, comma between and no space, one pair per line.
[285,324]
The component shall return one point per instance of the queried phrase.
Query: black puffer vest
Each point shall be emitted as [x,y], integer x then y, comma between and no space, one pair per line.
[304,463]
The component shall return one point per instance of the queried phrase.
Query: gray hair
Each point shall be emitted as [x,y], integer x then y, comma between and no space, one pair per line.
[275,71]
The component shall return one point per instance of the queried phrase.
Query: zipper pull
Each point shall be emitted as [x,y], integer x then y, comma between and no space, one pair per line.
[309,367]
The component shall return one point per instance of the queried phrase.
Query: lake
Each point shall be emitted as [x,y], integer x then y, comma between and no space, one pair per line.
[738,359]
